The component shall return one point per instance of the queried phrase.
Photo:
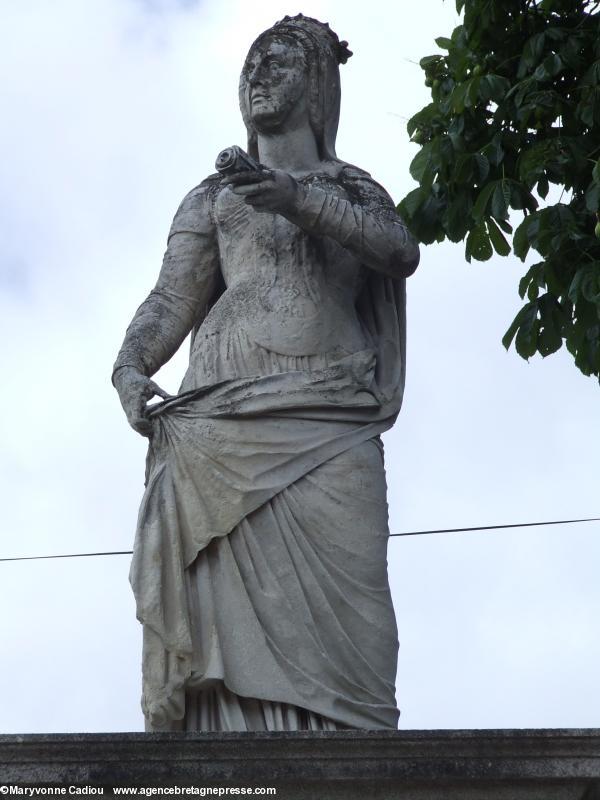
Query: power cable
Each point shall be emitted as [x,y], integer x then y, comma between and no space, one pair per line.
[406,533]
[70,555]
[496,527]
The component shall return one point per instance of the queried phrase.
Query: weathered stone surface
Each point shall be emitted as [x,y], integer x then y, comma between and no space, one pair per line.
[420,765]
[259,565]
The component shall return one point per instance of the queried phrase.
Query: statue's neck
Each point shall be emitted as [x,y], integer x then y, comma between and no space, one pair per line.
[294,150]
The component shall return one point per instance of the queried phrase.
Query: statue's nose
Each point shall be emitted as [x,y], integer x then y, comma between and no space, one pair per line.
[254,74]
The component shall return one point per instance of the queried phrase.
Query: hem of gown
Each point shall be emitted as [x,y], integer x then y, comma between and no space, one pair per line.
[217,708]
[213,707]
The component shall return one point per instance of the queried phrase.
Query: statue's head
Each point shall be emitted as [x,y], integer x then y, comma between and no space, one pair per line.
[293,68]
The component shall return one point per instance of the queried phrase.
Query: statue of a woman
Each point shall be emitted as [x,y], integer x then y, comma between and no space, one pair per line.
[259,565]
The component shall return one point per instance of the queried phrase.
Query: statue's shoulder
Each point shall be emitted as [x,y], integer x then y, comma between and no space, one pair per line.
[194,214]
[212,182]
[204,190]
[362,188]
[352,172]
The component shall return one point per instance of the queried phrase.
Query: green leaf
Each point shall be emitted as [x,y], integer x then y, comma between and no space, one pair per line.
[425,224]
[456,126]
[556,277]
[586,284]
[526,338]
[427,61]
[520,197]
[553,64]
[504,225]
[497,87]
[525,318]
[459,36]
[510,333]
[499,204]
[478,243]
[534,47]
[457,100]
[463,170]
[534,276]
[422,165]
[521,242]
[534,159]
[592,198]
[482,201]
[411,203]
[533,291]
[472,91]
[556,34]
[501,246]
[493,151]
[457,217]
[443,42]
[596,171]
[549,338]
[425,118]
[592,76]
[521,91]
[483,167]
[585,112]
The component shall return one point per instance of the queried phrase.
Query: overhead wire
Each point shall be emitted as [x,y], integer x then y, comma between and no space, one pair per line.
[497,527]
[405,533]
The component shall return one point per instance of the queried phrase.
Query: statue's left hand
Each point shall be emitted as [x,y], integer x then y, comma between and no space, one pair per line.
[269,190]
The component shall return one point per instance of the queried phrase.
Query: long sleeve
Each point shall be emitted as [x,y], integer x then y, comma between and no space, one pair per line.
[187,282]
[367,224]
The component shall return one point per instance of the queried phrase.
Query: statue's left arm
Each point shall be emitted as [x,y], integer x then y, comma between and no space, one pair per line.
[366,223]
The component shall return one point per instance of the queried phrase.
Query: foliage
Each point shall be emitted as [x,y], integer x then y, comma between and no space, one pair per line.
[515,108]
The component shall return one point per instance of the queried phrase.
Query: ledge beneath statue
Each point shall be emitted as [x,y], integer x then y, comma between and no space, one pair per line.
[420,765]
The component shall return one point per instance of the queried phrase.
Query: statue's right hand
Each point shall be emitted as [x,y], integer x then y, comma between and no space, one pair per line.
[135,389]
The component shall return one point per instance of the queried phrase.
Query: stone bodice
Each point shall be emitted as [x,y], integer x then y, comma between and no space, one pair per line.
[291,292]
[291,287]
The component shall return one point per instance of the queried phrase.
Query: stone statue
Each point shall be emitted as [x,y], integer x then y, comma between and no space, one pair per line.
[259,565]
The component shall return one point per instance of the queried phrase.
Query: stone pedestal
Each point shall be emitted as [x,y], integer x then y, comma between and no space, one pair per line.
[420,765]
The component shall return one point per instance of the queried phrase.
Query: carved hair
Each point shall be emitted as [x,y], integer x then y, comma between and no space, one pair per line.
[323,53]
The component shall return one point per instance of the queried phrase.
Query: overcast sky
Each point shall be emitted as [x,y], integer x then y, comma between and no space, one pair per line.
[112,111]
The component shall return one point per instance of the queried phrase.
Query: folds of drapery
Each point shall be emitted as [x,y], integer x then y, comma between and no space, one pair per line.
[222,453]
[293,607]
[215,708]
[206,476]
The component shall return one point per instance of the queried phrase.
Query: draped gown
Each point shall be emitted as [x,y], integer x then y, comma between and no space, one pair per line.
[259,566]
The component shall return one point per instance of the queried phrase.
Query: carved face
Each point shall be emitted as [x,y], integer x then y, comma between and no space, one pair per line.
[275,74]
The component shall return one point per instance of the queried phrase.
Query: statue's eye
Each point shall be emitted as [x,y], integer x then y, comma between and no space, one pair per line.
[273,64]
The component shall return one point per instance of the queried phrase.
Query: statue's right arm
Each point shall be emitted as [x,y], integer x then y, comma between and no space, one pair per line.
[185,287]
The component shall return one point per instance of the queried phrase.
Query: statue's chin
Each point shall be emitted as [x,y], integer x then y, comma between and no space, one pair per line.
[268,118]
[267,121]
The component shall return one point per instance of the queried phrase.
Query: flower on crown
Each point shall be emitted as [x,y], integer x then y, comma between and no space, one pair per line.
[321,31]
